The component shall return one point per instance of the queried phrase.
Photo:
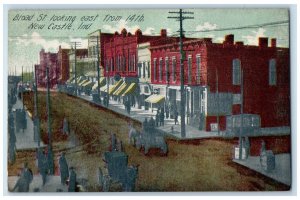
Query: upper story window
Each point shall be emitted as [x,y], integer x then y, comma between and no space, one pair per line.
[174,68]
[167,69]
[148,69]
[272,72]
[154,69]
[144,69]
[190,69]
[160,69]
[198,63]
[236,72]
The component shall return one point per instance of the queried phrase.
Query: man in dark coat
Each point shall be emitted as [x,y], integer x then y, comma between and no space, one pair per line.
[43,166]
[72,180]
[176,117]
[157,118]
[151,124]
[161,118]
[63,168]
[145,125]
[25,179]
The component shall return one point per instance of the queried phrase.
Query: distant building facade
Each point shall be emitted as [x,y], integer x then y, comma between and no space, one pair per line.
[63,65]
[50,60]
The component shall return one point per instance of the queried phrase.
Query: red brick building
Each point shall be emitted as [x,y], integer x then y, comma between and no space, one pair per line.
[263,70]
[120,52]
[48,59]
[63,65]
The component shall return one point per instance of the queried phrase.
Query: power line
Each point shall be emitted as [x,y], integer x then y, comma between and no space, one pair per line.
[272,24]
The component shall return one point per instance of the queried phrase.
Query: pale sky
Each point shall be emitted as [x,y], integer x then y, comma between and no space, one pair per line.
[24,43]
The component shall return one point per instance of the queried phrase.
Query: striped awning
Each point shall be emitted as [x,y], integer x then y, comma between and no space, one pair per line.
[155,98]
[121,89]
[130,89]
[104,88]
[114,87]
[78,80]
[87,83]
[82,82]
[70,79]
[102,82]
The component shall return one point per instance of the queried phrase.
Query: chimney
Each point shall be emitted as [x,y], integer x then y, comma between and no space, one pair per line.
[239,44]
[229,39]
[263,42]
[273,42]
[163,33]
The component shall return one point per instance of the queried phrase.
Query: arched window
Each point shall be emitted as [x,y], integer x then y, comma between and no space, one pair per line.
[272,72]
[236,72]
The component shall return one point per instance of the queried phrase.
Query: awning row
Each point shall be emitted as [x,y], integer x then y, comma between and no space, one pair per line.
[130,89]
[102,82]
[155,98]
[113,88]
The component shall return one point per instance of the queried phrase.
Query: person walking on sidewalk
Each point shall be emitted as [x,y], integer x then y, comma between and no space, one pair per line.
[63,168]
[72,181]
[43,167]
[151,125]
[157,118]
[176,117]
[25,179]
[161,118]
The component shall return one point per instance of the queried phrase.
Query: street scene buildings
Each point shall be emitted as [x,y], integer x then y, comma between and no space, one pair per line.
[160,88]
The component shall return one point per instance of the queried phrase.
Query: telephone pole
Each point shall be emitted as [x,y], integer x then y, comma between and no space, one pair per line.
[49,146]
[242,117]
[75,44]
[98,70]
[36,117]
[180,18]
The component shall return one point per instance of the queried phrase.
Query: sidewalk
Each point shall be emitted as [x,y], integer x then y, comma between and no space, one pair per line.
[25,139]
[141,114]
[281,173]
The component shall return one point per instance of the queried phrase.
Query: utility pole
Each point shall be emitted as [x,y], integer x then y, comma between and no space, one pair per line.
[36,117]
[180,18]
[242,110]
[218,106]
[75,64]
[22,89]
[49,147]
[98,69]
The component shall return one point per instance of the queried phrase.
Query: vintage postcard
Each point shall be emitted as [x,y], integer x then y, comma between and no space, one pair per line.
[149,100]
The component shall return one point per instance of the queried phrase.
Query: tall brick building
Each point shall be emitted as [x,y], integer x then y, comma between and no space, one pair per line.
[47,59]
[263,70]
[121,62]
[63,65]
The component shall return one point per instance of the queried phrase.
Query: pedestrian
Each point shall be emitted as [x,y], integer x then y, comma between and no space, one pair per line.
[27,173]
[151,124]
[157,118]
[63,168]
[43,166]
[167,111]
[176,117]
[161,118]
[145,125]
[25,179]
[72,180]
